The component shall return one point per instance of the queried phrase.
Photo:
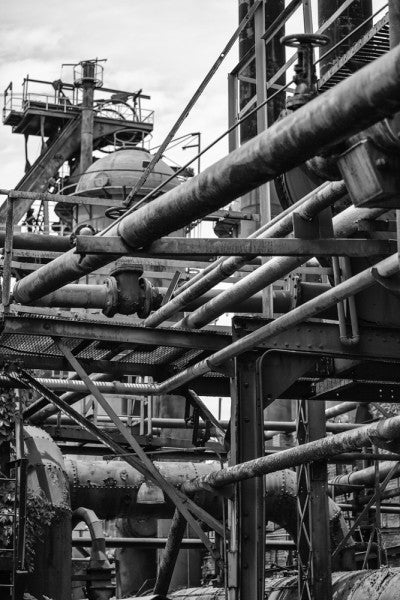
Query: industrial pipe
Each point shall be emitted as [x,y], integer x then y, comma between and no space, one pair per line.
[38,241]
[99,569]
[367,96]
[159,543]
[381,584]
[373,433]
[258,233]
[340,409]
[385,268]
[365,477]
[307,208]
[102,296]
[170,423]
[344,224]
[115,489]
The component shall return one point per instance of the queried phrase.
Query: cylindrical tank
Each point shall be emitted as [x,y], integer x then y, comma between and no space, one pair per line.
[113,176]
[357,585]
[48,495]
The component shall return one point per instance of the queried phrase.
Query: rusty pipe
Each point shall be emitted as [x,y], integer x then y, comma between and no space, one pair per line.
[342,483]
[364,98]
[344,224]
[361,281]
[103,296]
[115,489]
[374,584]
[322,449]
[308,207]
[36,241]
[99,569]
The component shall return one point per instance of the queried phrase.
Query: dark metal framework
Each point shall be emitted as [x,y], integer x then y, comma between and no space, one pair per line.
[263,363]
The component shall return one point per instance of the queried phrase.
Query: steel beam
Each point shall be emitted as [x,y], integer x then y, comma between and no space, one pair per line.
[250,248]
[121,333]
[376,343]
[315,577]
[247,560]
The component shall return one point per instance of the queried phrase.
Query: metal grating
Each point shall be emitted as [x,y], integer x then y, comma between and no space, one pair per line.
[175,358]
[372,45]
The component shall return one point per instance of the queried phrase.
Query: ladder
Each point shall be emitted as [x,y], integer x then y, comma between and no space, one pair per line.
[12,559]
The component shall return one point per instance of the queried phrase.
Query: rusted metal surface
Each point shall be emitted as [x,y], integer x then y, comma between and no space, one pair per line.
[376,433]
[46,475]
[366,97]
[278,267]
[282,225]
[380,584]
[365,477]
[115,488]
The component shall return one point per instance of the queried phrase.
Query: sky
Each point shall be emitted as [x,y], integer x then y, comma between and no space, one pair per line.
[163,46]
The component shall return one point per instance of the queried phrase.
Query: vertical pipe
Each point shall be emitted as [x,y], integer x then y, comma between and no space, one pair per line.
[264,191]
[87,115]
[233,137]
[170,555]
[8,248]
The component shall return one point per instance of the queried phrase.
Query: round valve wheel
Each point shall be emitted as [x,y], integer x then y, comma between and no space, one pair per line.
[304,39]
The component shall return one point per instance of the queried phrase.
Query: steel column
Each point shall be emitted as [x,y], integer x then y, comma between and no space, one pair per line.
[247,438]
[315,577]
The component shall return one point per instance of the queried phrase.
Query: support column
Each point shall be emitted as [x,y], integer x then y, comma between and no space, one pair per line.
[247,436]
[314,556]
[88,85]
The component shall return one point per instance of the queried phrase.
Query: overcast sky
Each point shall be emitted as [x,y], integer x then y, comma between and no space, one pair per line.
[162,46]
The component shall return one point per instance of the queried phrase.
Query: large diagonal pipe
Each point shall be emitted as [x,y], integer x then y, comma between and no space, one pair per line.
[359,101]
[378,433]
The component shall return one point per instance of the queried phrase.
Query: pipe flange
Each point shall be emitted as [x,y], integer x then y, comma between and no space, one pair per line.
[146,298]
[111,297]
[125,264]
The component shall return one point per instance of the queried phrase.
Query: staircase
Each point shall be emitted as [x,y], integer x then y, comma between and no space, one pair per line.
[47,164]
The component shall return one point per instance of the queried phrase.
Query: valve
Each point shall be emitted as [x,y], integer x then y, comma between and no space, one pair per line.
[305,76]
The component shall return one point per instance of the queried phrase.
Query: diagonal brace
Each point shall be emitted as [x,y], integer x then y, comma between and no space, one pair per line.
[184,504]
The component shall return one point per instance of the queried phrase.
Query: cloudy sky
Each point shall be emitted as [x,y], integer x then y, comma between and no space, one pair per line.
[162,46]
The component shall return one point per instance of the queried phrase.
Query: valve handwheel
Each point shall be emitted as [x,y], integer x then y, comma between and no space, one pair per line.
[296,40]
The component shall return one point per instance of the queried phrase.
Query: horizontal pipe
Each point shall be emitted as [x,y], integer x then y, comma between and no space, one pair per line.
[39,241]
[133,542]
[321,449]
[392,510]
[169,423]
[340,409]
[186,544]
[80,295]
[364,98]
[364,477]
[77,296]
